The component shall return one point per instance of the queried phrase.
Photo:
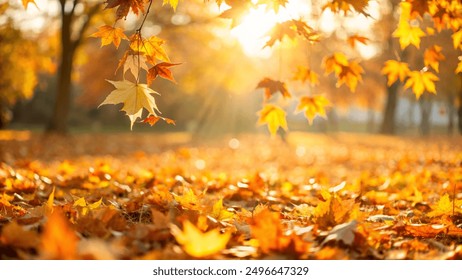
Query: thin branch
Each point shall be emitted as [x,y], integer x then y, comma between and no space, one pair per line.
[144,19]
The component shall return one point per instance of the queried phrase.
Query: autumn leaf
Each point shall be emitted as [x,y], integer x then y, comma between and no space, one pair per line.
[189,200]
[200,244]
[172,3]
[433,56]
[272,86]
[135,63]
[313,106]
[274,117]
[124,6]
[394,70]
[58,239]
[85,207]
[347,5]
[134,97]
[161,70]
[421,81]
[220,213]
[355,38]
[419,7]
[459,67]
[408,35]
[350,75]
[109,34]
[343,232]
[457,39]
[443,207]
[304,74]
[290,29]
[152,120]
[266,227]
[335,63]
[150,47]
[51,200]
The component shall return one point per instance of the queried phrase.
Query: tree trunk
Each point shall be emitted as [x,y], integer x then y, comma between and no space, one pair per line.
[425,109]
[388,122]
[58,121]
[60,115]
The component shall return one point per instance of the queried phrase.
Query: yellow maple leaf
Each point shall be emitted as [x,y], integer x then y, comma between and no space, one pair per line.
[110,34]
[220,213]
[350,75]
[134,97]
[313,106]
[189,200]
[85,207]
[274,117]
[433,56]
[394,70]
[443,207]
[335,62]
[459,67]
[457,39]
[197,243]
[304,74]
[273,4]
[172,3]
[150,47]
[421,81]
[408,35]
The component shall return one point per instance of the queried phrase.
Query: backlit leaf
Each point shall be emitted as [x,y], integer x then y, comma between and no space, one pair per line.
[134,97]
[162,70]
[443,207]
[304,74]
[421,81]
[109,34]
[26,3]
[152,120]
[433,56]
[312,106]
[274,117]
[408,35]
[457,39]
[172,3]
[394,70]
[272,86]
[220,213]
[200,244]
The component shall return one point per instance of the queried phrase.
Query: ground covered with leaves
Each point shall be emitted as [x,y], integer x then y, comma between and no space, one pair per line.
[151,196]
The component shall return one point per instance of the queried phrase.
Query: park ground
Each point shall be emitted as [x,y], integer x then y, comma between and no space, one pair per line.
[168,196]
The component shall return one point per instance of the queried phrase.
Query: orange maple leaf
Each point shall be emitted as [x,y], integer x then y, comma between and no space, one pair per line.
[273,4]
[304,74]
[152,120]
[266,227]
[433,56]
[58,240]
[124,7]
[313,106]
[161,70]
[356,38]
[150,47]
[272,86]
[421,81]
[274,117]
[347,5]
[109,34]
[394,70]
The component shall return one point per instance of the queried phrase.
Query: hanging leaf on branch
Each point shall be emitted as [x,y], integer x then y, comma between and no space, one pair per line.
[134,97]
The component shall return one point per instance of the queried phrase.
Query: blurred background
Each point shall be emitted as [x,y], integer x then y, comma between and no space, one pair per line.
[215,91]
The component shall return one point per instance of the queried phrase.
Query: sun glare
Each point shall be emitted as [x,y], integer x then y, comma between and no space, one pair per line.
[252,33]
